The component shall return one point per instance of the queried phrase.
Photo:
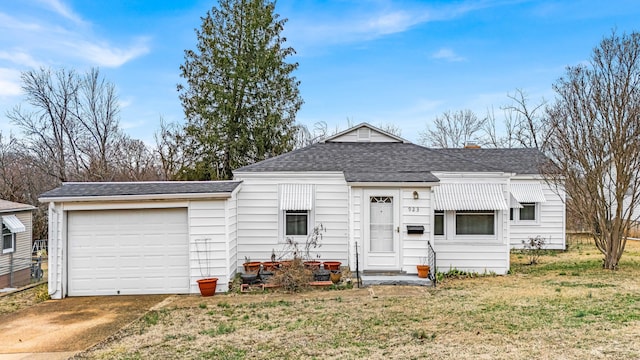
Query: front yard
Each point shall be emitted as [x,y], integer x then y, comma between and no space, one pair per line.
[566,307]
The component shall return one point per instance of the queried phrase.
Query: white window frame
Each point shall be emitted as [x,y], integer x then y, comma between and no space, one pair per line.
[283,226]
[479,212]
[444,223]
[7,232]
[450,233]
[296,213]
[516,215]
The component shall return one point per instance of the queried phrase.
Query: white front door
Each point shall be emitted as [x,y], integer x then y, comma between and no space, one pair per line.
[381,241]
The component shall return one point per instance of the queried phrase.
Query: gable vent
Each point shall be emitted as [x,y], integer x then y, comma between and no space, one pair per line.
[364,134]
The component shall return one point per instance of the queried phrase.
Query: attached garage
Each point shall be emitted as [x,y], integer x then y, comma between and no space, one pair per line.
[128,252]
[140,238]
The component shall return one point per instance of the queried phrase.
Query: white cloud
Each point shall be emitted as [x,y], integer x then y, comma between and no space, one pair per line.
[359,28]
[10,23]
[19,58]
[370,20]
[448,55]
[62,10]
[103,54]
[51,42]
[10,82]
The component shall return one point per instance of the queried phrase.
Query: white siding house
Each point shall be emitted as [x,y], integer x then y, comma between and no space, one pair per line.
[375,194]
[140,238]
[15,243]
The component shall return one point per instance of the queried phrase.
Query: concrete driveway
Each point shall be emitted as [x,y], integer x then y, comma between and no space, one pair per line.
[60,328]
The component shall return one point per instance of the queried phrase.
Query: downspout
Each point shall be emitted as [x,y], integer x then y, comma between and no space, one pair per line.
[52,250]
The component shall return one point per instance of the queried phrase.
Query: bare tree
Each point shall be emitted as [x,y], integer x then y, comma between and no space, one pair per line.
[50,126]
[391,128]
[595,141]
[454,130]
[135,162]
[97,113]
[305,136]
[71,125]
[21,182]
[169,144]
[526,123]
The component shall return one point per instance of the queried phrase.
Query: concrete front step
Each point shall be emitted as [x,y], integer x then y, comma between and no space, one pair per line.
[368,280]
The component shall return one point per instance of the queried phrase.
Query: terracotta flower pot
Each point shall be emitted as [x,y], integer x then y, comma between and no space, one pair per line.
[286,263]
[270,265]
[423,271]
[331,265]
[207,286]
[251,267]
[312,265]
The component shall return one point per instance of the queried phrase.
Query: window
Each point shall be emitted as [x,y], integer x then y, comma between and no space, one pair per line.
[438,222]
[475,222]
[528,211]
[296,222]
[511,214]
[7,240]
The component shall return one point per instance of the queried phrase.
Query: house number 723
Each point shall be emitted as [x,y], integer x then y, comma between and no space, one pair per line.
[414,209]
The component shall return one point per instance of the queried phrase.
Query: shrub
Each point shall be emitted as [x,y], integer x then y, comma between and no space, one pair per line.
[533,248]
[293,277]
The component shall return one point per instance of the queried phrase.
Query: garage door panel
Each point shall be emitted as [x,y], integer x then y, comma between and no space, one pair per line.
[128,252]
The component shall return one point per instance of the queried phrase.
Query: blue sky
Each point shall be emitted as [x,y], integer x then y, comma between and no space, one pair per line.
[382,62]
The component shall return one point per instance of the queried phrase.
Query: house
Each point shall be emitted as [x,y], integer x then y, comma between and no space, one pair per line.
[377,195]
[15,256]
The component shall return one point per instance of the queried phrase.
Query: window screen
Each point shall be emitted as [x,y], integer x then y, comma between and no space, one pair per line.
[528,211]
[296,222]
[438,222]
[475,223]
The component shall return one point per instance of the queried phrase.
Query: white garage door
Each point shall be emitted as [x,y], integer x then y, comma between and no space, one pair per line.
[128,252]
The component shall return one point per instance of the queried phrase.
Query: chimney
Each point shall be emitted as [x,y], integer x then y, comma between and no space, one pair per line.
[471,145]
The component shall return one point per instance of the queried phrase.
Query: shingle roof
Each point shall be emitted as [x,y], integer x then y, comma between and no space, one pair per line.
[6,206]
[398,162]
[517,160]
[86,189]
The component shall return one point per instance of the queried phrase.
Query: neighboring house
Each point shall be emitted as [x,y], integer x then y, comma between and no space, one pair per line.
[365,186]
[15,255]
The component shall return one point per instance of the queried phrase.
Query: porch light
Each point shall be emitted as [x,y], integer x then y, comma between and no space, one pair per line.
[415,195]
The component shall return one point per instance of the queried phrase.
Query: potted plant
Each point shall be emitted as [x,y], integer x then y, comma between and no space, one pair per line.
[251,266]
[272,265]
[423,268]
[332,265]
[335,276]
[207,284]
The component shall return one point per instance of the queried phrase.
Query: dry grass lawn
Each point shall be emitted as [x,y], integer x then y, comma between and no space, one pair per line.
[567,307]
[13,302]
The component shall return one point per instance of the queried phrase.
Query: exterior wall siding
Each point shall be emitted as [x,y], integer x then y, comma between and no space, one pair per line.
[479,258]
[208,248]
[550,226]
[55,249]
[232,233]
[415,212]
[212,219]
[20,258]
[482,255]
[19,261]
[374,136]
[260,220]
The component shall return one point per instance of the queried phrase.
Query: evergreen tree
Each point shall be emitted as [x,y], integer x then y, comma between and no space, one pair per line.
[240,98]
